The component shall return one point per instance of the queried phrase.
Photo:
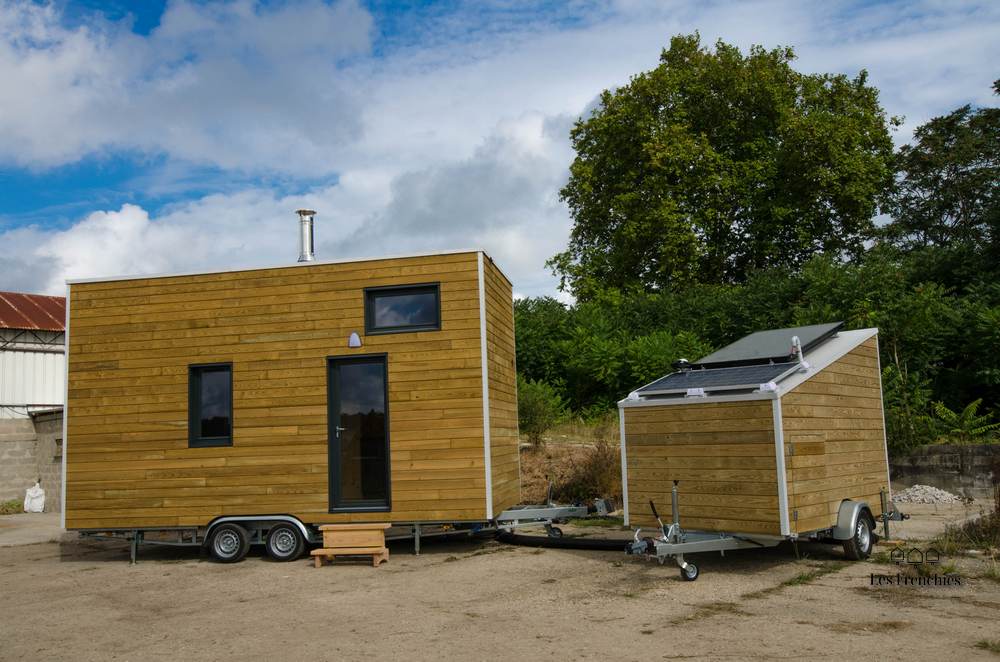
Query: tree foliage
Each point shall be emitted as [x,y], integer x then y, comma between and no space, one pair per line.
[948,190]
[964,427]
[539,407]
[722,194]
[717,164]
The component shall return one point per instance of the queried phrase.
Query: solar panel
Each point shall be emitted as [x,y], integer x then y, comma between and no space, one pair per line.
[715,379]
[774,345]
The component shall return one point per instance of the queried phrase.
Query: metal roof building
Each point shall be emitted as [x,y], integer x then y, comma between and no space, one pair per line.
[32,353]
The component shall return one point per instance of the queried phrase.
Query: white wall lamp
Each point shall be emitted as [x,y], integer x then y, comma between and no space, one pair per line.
[354,340]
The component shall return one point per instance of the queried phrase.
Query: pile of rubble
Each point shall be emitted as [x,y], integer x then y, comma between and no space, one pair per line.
[925,494]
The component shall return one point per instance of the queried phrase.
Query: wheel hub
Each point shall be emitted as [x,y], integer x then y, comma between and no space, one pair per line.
[227,543]
[863,535]
[284,541]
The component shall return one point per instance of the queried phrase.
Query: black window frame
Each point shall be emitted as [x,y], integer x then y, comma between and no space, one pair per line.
[195,440]
[371,293]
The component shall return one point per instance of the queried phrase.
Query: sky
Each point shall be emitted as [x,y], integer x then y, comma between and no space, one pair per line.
[157,137]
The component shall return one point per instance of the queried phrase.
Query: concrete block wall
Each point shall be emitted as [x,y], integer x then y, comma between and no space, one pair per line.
[29,450]
[969,471]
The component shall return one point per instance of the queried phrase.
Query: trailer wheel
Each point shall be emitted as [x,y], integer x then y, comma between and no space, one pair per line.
[229,543]
[554,532]
[690,573]
[859,546]
[284,542]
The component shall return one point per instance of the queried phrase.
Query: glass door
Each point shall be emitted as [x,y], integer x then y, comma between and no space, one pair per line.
[358,402]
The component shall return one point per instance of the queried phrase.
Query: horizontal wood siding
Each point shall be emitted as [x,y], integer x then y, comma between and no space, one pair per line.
[722,454]
[834,439]
[502,389]
[128,461]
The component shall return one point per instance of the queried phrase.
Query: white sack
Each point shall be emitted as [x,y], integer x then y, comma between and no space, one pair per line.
[34,499]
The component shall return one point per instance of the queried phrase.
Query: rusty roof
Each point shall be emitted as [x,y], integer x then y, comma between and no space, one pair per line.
[37,312]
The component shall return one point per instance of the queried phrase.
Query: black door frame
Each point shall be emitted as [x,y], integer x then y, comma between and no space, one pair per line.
[333,441]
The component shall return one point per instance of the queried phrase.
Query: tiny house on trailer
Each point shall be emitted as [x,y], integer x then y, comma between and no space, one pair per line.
[778,436]
[253,406]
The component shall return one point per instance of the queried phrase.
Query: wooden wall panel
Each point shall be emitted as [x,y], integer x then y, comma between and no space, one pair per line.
[131,341]
[722,454]
[834,439]
[504,450]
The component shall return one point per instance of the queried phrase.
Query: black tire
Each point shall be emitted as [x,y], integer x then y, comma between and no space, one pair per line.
[229,543]
[690,573]
[284,542]
[555,532]
[859,546]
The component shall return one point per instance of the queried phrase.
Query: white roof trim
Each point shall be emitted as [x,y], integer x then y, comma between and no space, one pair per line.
[696,400]
[825,354]
[818,359]
[108,279]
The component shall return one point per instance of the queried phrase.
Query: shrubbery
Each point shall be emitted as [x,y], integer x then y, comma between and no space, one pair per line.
[597,473]
[539,407]
[936,339]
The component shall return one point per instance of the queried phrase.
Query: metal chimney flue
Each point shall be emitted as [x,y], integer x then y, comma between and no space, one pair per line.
[306,253]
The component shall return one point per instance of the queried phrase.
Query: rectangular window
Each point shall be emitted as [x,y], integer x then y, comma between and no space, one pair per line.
[399,309]
[210,405]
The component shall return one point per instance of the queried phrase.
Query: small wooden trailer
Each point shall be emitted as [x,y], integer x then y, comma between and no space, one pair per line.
[780,435]
[239,407]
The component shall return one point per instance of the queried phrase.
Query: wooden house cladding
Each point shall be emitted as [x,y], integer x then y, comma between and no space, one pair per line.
[835,439]
[771,458]
[722,454]
[131,343]
[502,371]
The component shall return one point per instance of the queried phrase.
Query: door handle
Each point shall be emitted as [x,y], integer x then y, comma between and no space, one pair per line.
[339,430]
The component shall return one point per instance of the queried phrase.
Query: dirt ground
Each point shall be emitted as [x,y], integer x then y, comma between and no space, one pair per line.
[469,599]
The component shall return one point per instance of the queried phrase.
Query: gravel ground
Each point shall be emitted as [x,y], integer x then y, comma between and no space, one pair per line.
[474,600]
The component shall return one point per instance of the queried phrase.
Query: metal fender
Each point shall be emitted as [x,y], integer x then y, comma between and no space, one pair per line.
[847,518]
[259,519]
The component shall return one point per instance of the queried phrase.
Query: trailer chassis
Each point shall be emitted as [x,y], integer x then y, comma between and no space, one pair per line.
[673,542]
[548,515]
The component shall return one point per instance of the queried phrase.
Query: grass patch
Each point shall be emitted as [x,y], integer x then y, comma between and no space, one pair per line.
[498,549]
[800,579]
[710,609]
[882,558]
[809,576]
[762,593]
[991,645]
[992,572]
[12,507]
[870,627]
[982,533]
[615,522]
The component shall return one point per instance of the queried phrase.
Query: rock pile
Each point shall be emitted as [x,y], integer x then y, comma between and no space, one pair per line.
[925,494]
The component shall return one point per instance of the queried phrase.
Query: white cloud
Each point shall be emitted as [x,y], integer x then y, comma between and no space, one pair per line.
[452,141]
[233,85]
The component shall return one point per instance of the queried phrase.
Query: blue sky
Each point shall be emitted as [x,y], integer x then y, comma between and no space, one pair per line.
[153,137]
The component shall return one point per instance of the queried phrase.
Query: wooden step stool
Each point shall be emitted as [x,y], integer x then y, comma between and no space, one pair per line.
[352,540]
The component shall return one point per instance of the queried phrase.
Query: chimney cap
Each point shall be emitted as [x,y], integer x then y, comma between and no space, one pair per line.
[305,212]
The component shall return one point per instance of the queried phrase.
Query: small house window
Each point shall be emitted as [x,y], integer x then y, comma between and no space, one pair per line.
[404,308]
[58,451]
[210,405]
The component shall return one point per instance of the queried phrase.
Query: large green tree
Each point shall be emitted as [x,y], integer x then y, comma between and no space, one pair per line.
[948,189]
[717,164]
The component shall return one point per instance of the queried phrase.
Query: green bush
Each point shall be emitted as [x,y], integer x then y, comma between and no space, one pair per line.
[964,427]
[539,407]
[597,474]
[11,507]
